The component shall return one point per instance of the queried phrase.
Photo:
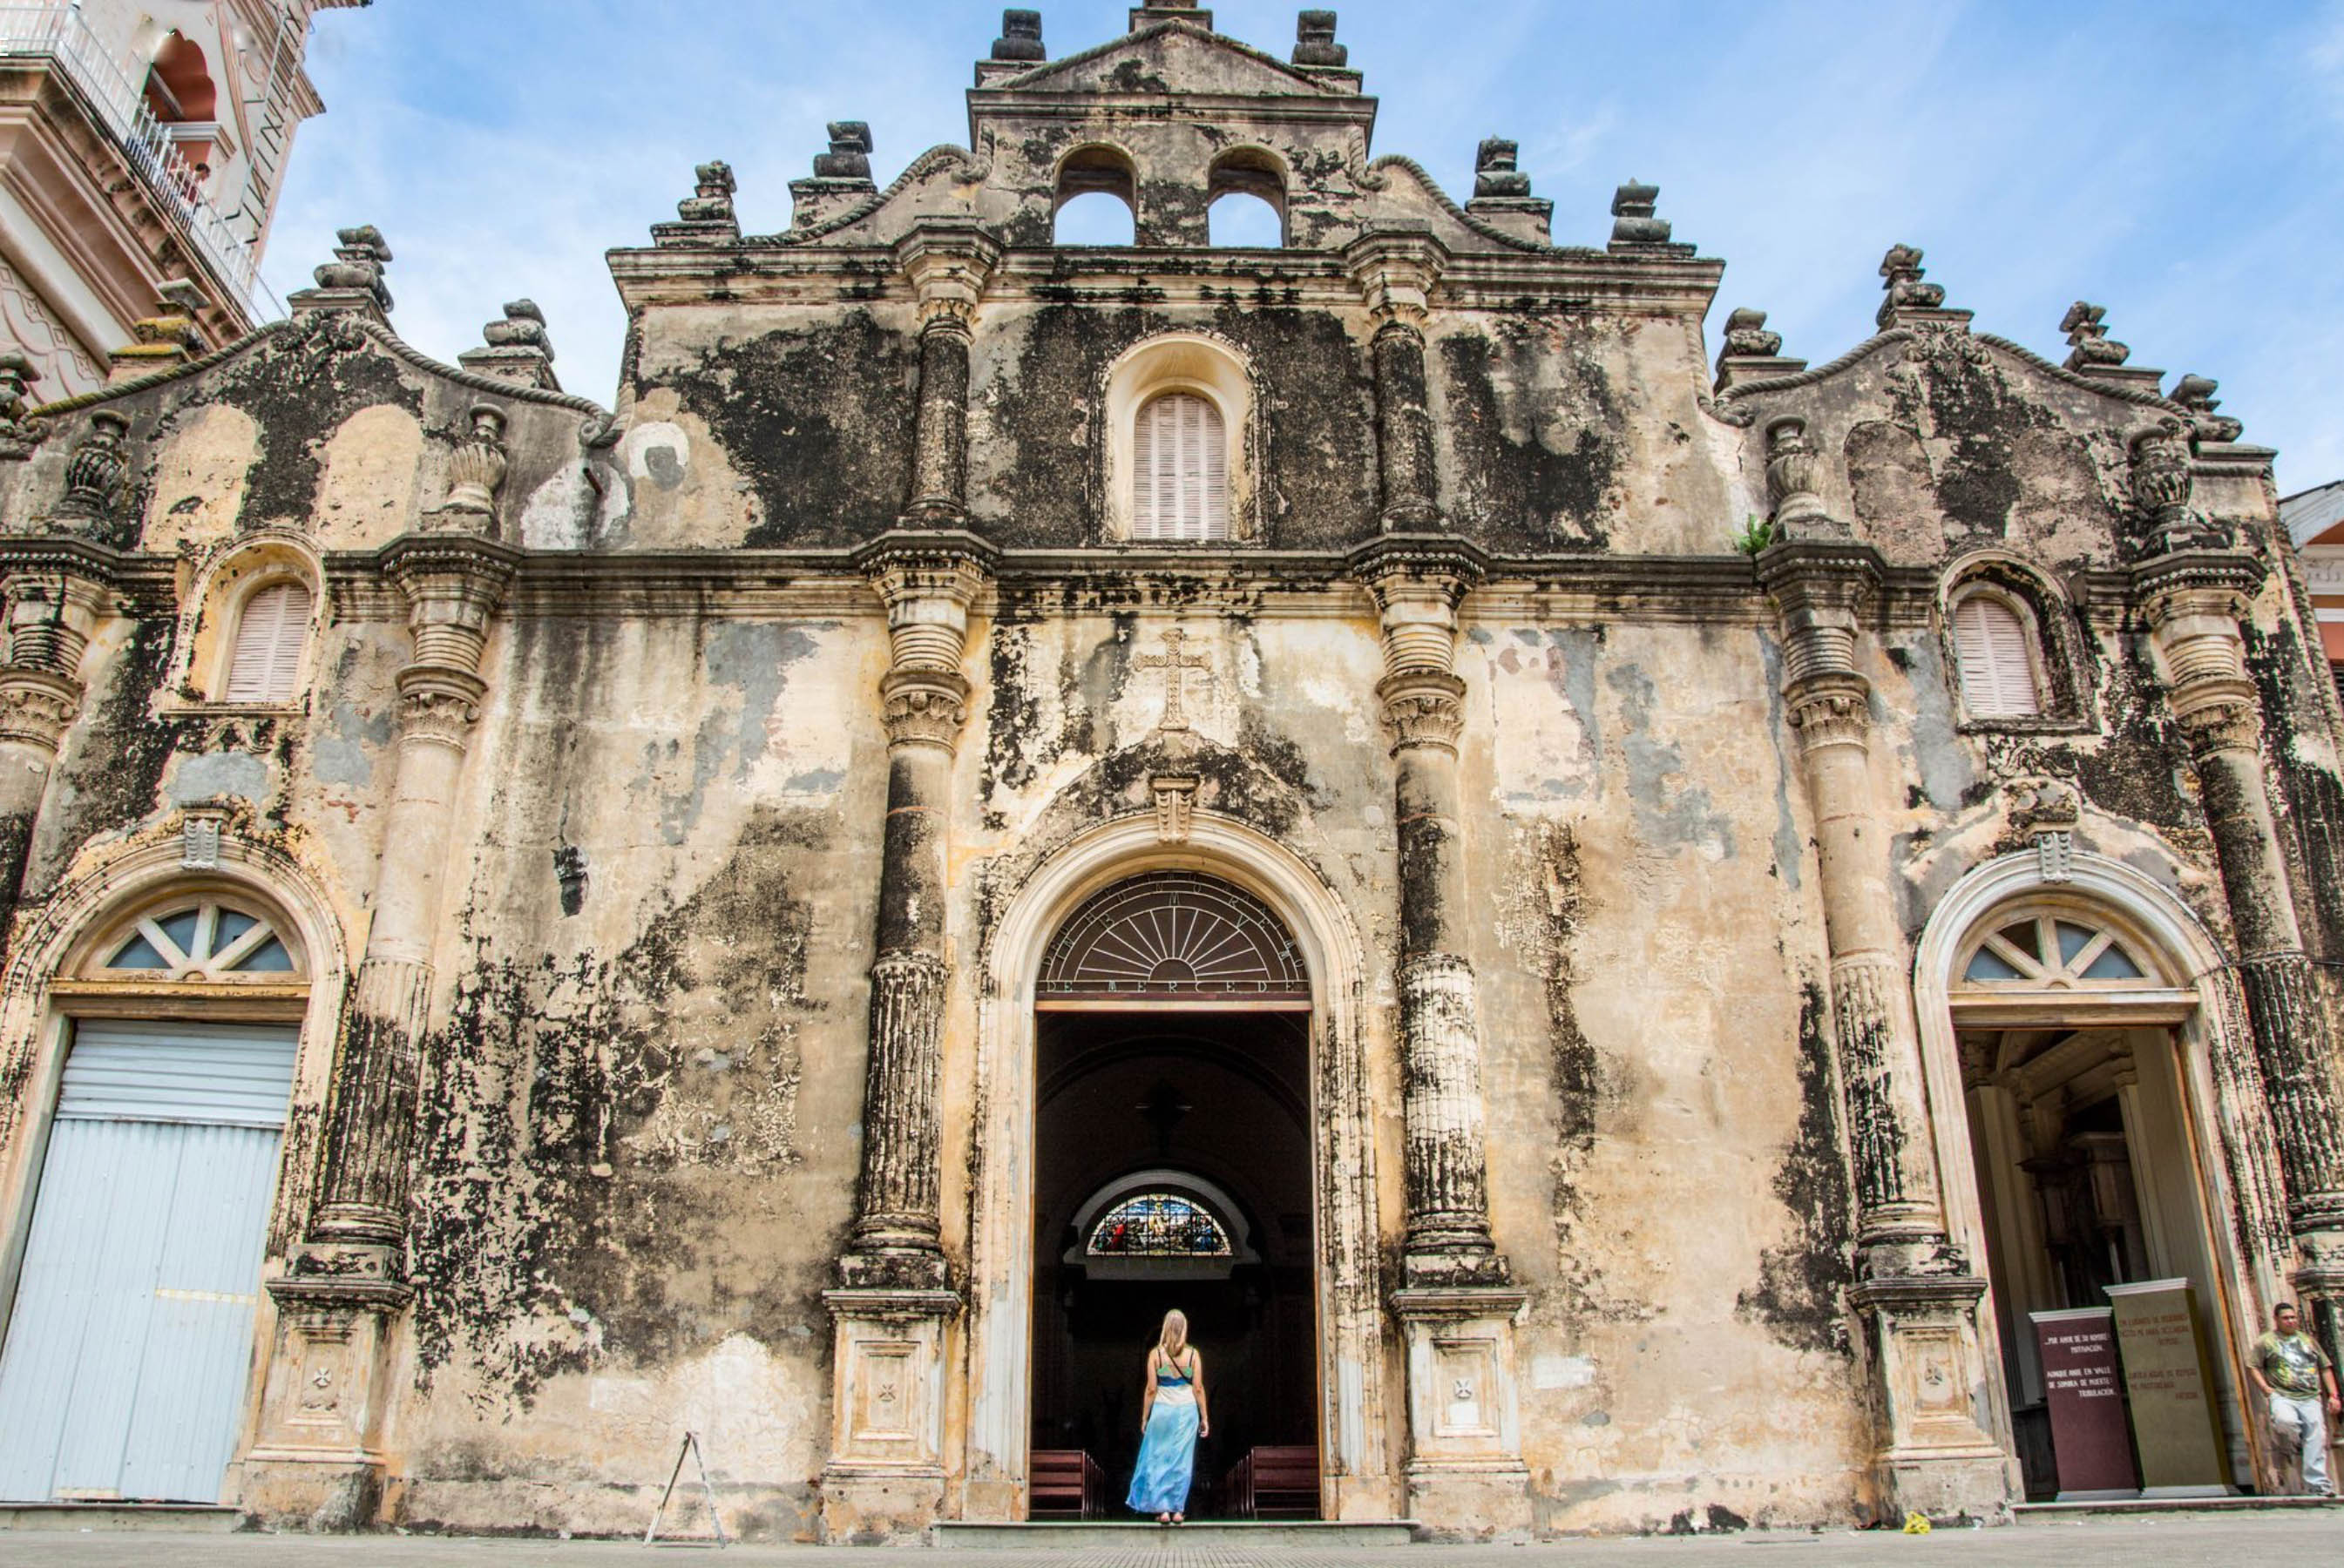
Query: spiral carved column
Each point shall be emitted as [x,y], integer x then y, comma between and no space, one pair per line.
[2196,602]
[1915,1293]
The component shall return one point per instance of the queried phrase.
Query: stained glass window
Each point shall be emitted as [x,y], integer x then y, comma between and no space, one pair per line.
[1158,1225]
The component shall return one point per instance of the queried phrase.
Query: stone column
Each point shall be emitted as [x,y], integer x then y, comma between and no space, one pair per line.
[884,1477]
[1396,266]
[318,1457]
[1915,1292]
[1457,1304]
[947,261]
[2195,600]
[55,592]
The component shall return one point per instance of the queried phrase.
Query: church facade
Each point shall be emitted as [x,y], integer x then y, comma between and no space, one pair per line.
[1609,927]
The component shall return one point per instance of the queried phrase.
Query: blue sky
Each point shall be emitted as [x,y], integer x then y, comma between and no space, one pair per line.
[2182,164]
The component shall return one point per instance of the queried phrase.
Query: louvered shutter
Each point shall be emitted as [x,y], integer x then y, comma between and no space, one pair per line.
[1179,462]
[1998,668]
[269,638]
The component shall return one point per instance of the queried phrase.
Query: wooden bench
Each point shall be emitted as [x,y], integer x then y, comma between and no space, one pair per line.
[1066,1483]
[1275,1481]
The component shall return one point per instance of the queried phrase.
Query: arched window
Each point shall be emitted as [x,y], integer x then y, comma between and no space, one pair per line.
[1158,1225]
[1999,667]
[183,100]
[270,630]
[2051,950]
[1246,193]
[1179,470]
[201,938]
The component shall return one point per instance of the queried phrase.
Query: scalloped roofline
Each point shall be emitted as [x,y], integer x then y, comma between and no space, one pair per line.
[1894,335]
[397,347]
[1157,29]
[938,157]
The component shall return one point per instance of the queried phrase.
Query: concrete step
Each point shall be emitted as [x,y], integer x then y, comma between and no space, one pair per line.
[2061,1513]
[199,1517]
[1092,1535]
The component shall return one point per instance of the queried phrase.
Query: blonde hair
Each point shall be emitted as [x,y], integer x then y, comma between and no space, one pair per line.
[1173,1340]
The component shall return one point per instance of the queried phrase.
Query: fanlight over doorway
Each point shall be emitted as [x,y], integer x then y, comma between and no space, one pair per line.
[202,940]
[2045,950]
[1158,1225]
[1174,938]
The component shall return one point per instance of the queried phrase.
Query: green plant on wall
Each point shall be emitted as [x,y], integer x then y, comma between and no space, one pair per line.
[1756,535]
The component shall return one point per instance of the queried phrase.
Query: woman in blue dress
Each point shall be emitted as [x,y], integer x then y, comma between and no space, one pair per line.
[1173,1415]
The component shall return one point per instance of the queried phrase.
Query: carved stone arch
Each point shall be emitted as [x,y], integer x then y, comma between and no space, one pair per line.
[197,851]
[1251,169]
[1354,1380]
[1202,364]
[2220,1078]
[2055,637]
[225,583]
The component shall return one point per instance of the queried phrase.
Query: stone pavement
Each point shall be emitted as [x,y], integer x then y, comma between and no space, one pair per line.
[2169,1541]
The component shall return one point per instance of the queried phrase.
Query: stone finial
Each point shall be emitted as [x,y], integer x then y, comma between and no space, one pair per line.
[93,474]
[1632,207]
[1792,472]
[18,434]
[475,473]
[165,338]
[518,348]
[849,157]
[706,216]
[1021,37]
[1495,173]
[2088,343]
[1314,41]
[2160,474]
[2195,395]
[353,280]
[1909,300]
[1746,334]
[1750,353]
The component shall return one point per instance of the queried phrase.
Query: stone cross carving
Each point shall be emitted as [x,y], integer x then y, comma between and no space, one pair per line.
[1174,664]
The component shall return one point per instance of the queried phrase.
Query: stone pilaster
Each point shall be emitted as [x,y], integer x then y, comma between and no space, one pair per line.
[1396,268]
[318,1457]
[2195,600]
[56,592]
[947,262]
[884,1476]
[1915,1292]
[1456,1306]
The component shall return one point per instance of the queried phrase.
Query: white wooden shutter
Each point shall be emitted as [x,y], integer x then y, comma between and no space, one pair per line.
[1997,665]
[269,638]
[1179,462]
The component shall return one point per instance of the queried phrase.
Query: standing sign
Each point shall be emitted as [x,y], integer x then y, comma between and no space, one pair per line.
[2088,1435]
[2174,1421]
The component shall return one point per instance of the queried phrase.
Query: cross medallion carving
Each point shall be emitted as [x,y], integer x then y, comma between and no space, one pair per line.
[1175,664]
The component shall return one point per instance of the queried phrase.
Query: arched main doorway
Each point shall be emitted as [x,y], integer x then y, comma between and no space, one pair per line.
[2075,1023]
[1172,1168]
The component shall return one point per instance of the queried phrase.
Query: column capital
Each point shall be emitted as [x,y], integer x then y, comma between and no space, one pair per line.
[947,258]
[436,568]
[2196,602]
[1403,564]
[1821,591]
[1396,265]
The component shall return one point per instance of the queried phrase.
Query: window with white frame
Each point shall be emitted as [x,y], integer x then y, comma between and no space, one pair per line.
[202,939]
[1180,471]
[1999,670]
[266,660]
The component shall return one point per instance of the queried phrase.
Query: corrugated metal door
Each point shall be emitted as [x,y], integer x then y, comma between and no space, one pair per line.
[131,1339]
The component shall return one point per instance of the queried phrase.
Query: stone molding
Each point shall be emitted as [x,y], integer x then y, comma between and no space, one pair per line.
[38,708]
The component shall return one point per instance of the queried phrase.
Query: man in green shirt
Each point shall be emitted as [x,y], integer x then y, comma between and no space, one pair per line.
[2294,1374]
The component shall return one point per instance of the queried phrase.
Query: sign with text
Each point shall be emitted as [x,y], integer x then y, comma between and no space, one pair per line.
[2174,1423]
[2082,1389]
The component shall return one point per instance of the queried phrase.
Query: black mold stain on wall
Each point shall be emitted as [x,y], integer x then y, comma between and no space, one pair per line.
[1972,405]
[1797,1295]
[1548,492]
[116,759]
[545,1191]
[2308,799]
[820,420]
[299,394]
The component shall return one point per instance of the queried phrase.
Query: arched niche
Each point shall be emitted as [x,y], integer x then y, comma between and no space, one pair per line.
[1095,198]
[1200,365]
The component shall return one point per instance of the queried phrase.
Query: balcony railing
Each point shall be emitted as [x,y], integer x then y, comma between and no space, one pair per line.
[58,34]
